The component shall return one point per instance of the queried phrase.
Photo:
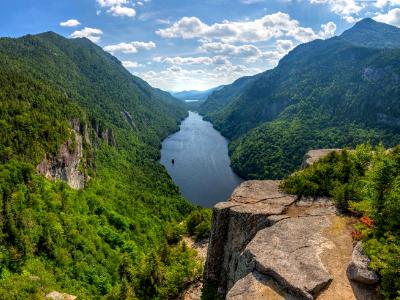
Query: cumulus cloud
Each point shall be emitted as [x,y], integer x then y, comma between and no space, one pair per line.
[392,17]
[110,3]
[120,8]
[92,34]
[120,11]
[327,30]
[266,28]
[383,3]
[131,64]
[201,60]
[177,77]
[70,23]
[230,50]
[341,7]
[132,47]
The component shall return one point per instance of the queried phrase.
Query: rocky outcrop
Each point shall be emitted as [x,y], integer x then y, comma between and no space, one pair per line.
[266,244]
[59,296]
[65,166]
[253,206]
[359,270]
[314,155]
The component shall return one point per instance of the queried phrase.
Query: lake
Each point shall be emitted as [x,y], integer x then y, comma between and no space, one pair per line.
[202,165]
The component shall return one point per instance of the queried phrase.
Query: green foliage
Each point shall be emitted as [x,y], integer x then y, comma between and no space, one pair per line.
[107,240]
[199,223]
[210,292]
[337,176]
[366,181]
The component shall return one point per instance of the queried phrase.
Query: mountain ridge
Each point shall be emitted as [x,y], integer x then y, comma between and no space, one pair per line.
[317,87]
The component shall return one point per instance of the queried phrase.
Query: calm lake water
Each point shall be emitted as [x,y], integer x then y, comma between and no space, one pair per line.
[202,165]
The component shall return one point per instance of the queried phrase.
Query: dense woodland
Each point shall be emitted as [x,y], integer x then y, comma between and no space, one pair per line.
[365,183]
[327,93]
[119,237]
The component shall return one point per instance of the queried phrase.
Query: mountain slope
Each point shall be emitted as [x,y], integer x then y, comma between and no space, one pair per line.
[72,107]
[195,95]
[329,93]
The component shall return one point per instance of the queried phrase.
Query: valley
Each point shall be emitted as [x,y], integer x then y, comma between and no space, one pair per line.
[279,178]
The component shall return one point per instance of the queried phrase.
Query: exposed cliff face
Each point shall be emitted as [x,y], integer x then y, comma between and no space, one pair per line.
[65,166]
[72,161]
[266,244]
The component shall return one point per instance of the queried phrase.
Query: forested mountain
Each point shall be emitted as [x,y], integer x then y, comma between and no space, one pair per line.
[71,107]
[195,95]
[324,94]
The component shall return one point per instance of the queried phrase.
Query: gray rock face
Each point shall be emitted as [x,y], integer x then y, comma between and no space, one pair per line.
[289,252]
[358,269]
[65,166]
[236,222]
[266,244]
[314,155]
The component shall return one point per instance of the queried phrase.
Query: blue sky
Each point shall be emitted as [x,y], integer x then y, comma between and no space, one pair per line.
[193,44]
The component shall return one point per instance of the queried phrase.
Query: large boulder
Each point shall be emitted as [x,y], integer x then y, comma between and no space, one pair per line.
[289,252]
[358,269]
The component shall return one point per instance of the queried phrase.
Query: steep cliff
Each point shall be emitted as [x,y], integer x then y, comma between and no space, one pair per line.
[266,244]
[65,166]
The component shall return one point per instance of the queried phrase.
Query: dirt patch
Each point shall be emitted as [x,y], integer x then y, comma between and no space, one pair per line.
[337,258]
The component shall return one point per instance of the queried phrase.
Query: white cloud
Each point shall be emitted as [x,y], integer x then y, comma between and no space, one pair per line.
[383,3]
[266,28]
[70,23]
[120,8]
[131,64]
[392,17]
[122,11]
[229,49]
[110,3]
[327,30]
[341,7]
[177,78]
[202,60]
[92,34]
[347,9]
[132,47]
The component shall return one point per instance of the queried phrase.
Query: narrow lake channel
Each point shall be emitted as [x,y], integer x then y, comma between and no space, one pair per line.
[201,166]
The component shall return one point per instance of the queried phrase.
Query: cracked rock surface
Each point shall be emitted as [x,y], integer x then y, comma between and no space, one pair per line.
[266,244]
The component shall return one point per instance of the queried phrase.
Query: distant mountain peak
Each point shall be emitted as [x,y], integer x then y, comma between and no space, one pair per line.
[373,34]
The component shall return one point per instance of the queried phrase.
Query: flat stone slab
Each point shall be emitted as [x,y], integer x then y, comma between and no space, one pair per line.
[257,190]
[258,197]
[256,286]
[289,251]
